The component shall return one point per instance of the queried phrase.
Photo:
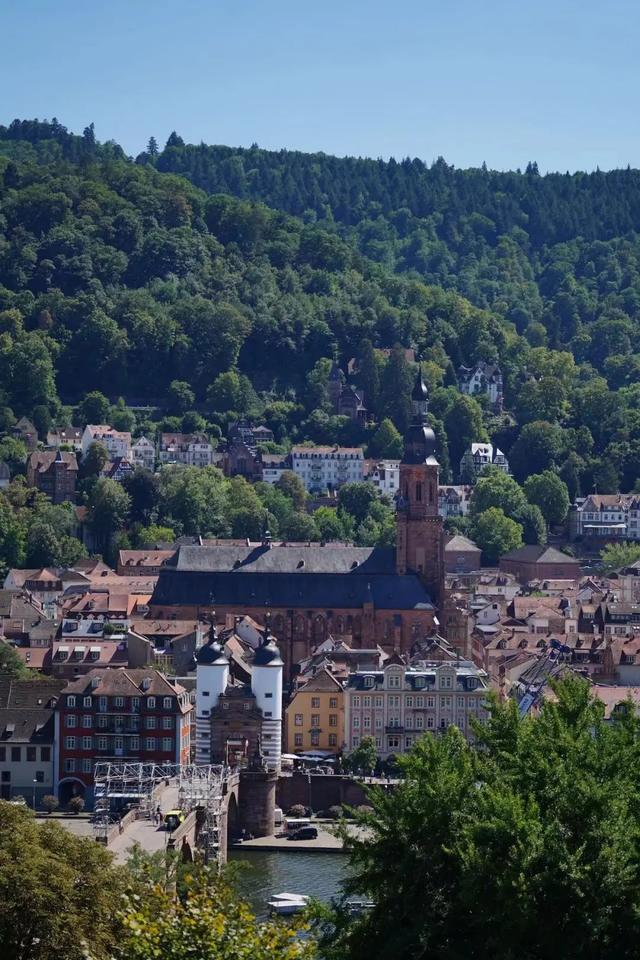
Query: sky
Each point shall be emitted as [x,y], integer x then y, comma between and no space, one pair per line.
[499,81]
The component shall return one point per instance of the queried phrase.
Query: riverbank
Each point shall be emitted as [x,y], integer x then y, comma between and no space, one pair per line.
[325,842]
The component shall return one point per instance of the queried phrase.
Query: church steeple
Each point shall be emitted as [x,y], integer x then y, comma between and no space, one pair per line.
[419,440]
[419,535]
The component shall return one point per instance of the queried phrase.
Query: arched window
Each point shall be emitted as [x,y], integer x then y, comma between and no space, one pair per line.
[418,492]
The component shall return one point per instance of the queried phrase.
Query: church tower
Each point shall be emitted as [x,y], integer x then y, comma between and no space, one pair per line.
[419,533]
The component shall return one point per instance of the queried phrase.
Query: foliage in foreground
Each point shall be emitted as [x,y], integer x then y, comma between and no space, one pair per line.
[58,893]
[61,898]
[207,922]
[528,848]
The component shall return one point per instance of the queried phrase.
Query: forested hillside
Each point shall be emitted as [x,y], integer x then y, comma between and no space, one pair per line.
[124,277]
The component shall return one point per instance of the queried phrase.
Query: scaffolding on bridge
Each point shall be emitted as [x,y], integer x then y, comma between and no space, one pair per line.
[200,786]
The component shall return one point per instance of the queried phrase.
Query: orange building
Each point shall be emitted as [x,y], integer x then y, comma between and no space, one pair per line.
[314,719]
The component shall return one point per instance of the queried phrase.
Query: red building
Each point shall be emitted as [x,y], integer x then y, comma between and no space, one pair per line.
[132,715]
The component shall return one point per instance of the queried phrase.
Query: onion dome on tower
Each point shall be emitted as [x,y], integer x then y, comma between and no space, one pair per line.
[212,652]
[419,440]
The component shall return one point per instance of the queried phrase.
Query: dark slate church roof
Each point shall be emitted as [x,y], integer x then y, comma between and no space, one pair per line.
[296,558]
[296,576]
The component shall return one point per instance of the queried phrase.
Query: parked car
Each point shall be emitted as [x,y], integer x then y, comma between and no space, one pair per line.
[305,833]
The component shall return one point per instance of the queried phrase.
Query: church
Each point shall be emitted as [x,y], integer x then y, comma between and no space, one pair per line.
[308,591]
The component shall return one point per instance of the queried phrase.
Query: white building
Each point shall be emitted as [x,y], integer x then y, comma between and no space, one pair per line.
[144,453]
[453,501]
[322,469]
[212,681]
[116,442]
[479,456]
[398,704]
[273,466]
[606,517]
[483,378]
[384,475]
[190,449]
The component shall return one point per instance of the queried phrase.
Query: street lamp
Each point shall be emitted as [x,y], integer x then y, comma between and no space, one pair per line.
[35,781]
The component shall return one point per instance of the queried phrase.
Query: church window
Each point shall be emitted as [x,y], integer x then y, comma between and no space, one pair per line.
[418,492]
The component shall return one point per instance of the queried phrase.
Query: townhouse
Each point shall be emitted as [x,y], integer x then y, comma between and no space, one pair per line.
[398,704]
[125,714]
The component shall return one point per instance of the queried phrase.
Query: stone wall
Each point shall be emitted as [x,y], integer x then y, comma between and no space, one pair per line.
[318,791]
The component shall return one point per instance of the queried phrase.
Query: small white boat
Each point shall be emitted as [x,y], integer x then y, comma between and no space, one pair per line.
[285,904]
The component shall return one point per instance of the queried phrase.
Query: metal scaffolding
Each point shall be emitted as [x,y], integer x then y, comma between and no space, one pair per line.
[200,786]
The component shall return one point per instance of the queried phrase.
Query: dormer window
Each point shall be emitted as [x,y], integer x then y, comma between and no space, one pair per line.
[368,682]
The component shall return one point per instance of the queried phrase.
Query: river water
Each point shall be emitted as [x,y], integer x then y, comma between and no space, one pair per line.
[265,873]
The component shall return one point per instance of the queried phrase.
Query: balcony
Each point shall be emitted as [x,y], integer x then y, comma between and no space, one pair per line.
[394,728]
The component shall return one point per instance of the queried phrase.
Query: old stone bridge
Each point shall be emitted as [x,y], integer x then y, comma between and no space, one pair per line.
[220,804]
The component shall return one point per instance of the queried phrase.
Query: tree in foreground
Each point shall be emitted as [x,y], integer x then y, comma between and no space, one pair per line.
[206,922]
[61,898]
[58,893]
[526,848]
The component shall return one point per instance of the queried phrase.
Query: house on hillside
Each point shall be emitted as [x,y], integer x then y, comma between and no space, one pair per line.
[54,473]
[143,453]
[24,430]
[477,457]
[116,442]
[482,378]
[190,449]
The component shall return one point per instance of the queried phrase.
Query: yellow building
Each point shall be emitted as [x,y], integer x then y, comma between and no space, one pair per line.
[315,716]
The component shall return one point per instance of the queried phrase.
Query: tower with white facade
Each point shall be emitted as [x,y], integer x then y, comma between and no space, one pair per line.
[266,685]
[212,677]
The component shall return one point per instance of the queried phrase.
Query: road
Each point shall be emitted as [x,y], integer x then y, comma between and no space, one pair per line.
[147,834]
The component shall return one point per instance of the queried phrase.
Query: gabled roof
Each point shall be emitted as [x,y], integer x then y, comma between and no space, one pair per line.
[42,460]
[539,553]
[460,543]
[128,682]
[320,681]
[298,559]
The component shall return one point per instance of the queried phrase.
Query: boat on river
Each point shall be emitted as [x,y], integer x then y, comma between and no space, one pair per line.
[286,904]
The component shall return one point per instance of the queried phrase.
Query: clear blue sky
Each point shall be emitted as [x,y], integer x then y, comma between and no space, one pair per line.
[503,81]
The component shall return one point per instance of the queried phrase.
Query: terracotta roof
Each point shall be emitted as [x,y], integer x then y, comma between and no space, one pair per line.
[299,449]
[129,682]
[104,430]
[42,460]
[614,695]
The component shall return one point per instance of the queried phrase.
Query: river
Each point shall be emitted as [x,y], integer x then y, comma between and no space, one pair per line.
[267,872]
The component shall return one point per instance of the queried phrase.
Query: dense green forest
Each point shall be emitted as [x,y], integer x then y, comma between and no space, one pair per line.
[241,274]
